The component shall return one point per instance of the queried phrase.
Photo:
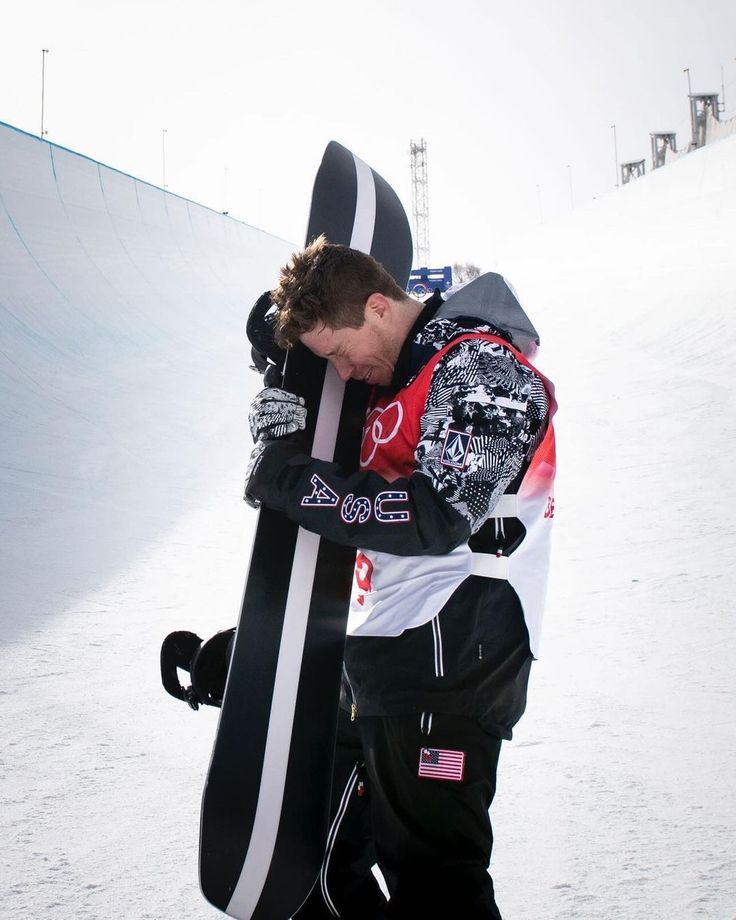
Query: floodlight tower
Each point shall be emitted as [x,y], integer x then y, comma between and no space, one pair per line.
[420,200]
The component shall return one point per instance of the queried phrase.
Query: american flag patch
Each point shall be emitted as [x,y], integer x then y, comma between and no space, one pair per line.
[455,449]
[435,763]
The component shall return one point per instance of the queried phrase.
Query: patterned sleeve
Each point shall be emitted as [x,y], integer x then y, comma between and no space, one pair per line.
[484,415]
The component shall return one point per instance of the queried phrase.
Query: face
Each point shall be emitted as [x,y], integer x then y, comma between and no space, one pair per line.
[368,353]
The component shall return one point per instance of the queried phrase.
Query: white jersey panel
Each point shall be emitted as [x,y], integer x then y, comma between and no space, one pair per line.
[394,593]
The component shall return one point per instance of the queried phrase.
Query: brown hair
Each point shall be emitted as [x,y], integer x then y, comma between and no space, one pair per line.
[326,284]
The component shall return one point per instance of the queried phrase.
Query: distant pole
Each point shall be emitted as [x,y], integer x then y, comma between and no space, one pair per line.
[163,154]
[44,52]
[225,209]
[539,200]
[572,200]
[693,119]
[615,153]
[723,91]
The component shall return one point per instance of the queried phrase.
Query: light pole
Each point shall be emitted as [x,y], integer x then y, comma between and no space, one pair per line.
[163,154]
[691,105]
[539,200]
[615,153]
[723,90]
[44,52]
[572,200]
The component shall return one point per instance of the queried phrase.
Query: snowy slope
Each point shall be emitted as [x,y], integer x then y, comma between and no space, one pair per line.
[620,789]
[123,364]
[122,397]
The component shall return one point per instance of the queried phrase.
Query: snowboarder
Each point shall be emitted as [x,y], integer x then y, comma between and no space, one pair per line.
[450,514]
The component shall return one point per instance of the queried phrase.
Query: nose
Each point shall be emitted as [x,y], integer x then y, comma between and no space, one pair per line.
[344,368]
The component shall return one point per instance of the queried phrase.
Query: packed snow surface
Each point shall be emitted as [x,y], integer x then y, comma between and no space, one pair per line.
[123,398]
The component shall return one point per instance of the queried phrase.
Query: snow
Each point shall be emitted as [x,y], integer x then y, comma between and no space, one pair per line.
[617,795]
[123,398]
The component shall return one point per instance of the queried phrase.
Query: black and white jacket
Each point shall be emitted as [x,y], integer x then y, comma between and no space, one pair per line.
[444,448]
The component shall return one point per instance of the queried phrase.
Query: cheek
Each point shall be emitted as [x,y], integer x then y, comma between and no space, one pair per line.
[386,350]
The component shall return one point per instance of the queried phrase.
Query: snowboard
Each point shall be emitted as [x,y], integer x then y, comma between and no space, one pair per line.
[265,807]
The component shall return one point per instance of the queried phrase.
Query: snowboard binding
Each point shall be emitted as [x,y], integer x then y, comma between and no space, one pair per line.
[207,664]
[268,358]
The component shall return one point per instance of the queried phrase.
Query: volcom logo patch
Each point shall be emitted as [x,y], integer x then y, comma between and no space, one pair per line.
[455,449]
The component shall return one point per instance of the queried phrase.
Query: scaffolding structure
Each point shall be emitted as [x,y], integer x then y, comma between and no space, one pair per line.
[661,143]
[420,201]
[700,105]
[632,170]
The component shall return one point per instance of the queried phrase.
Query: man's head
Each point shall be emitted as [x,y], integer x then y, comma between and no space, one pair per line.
[344,306]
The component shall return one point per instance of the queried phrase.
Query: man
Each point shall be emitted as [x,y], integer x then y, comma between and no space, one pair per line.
[449,514]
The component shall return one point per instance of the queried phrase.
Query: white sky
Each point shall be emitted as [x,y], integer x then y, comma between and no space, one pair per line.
[506,95]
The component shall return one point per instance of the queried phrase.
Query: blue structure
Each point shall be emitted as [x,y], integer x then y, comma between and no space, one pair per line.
[424,281]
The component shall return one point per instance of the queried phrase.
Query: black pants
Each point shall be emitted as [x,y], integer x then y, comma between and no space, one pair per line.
[431,837]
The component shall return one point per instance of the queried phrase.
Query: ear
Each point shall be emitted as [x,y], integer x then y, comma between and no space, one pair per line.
[377,306]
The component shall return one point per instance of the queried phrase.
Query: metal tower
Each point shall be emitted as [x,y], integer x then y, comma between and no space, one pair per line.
[420,201]
[700,105]
[632,170]
[661,142]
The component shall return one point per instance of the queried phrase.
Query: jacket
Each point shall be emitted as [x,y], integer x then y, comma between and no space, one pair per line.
[448,454]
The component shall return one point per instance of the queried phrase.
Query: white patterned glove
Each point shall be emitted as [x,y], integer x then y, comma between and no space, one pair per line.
[275,413]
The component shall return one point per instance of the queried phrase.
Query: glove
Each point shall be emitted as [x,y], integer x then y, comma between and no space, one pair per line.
[255,456]
[275,413]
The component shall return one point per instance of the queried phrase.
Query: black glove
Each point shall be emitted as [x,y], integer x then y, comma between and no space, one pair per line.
[274,413]
[268,358]
[253,460]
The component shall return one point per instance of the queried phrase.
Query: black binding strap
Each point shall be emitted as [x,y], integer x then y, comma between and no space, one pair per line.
[177,651]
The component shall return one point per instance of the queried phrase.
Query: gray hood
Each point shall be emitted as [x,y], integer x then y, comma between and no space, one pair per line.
[491,298]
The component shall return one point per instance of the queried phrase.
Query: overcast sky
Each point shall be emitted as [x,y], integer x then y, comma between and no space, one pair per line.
[507,96]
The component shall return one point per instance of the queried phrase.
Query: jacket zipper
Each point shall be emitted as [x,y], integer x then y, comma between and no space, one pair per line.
[439,663]
[353,704]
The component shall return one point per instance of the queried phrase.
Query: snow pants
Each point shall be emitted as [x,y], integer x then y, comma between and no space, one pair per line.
[430,835]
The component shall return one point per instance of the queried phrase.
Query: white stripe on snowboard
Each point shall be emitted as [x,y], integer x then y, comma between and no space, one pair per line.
[258,859]
[365,208]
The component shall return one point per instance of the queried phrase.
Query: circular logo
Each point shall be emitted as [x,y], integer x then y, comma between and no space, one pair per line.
[381,426]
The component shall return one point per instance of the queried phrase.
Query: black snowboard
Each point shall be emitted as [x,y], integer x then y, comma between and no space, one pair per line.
[266,800]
